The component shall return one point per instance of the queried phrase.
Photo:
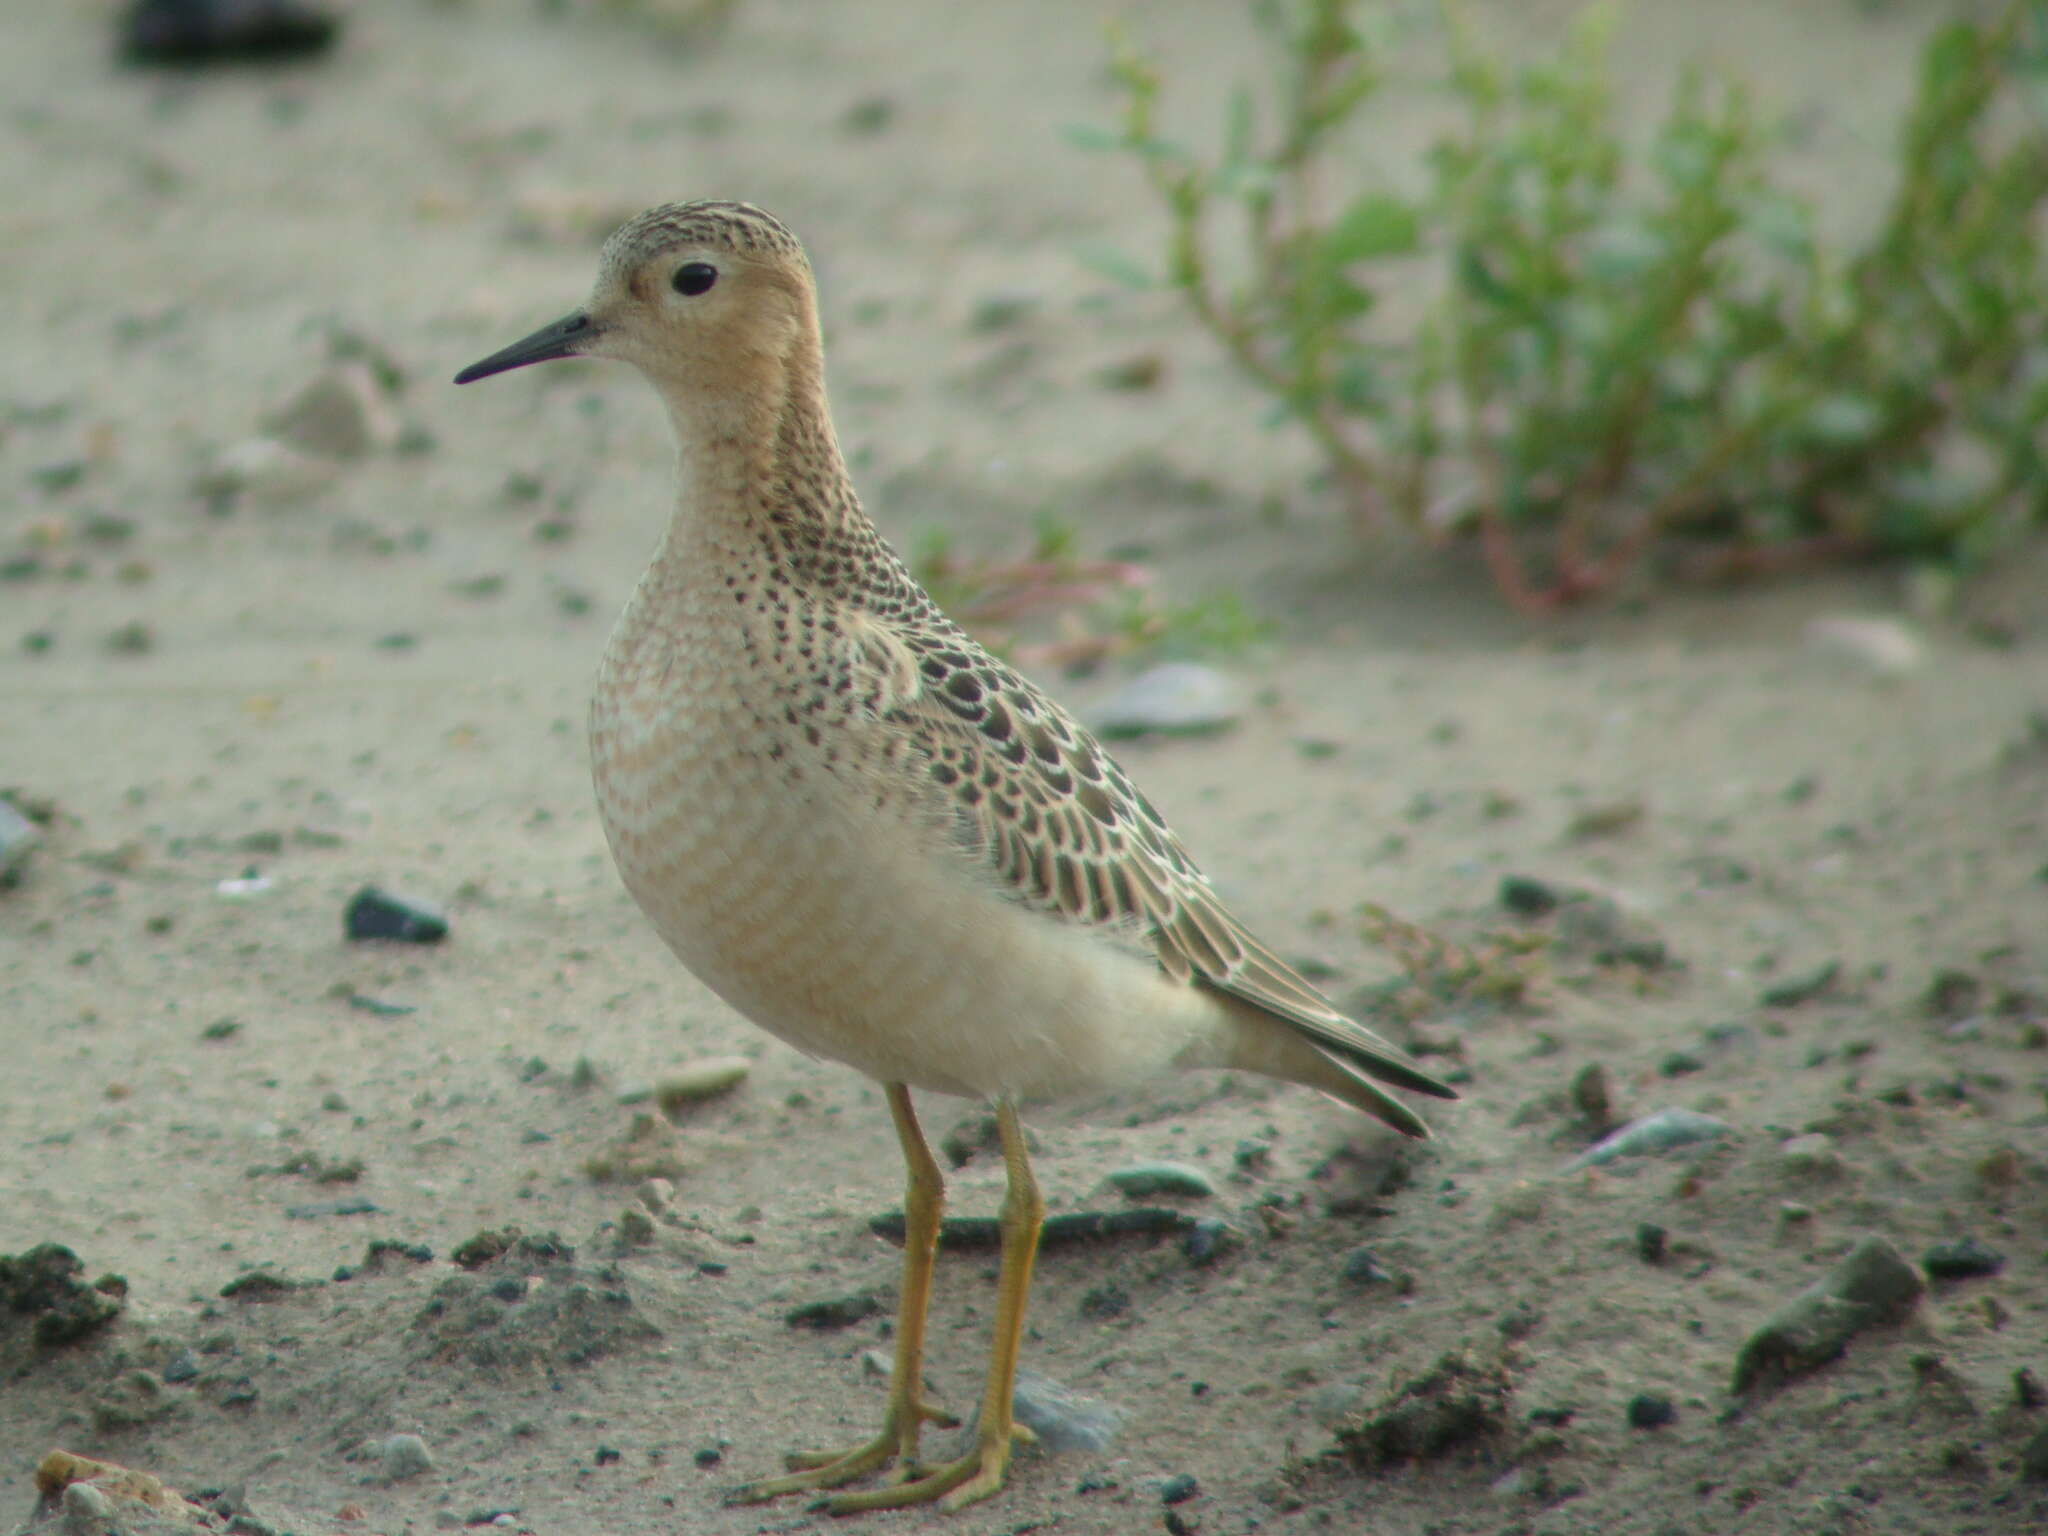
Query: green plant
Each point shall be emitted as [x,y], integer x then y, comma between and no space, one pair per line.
[1616,351]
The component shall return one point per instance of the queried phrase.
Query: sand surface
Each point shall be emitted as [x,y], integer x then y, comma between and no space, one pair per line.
[382,680]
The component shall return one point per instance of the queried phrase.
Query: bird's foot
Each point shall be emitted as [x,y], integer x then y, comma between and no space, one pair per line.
[811,1471]
[953,1486]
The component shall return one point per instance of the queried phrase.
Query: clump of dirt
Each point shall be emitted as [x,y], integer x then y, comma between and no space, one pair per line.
[44,1286]
[525,1302]
[1458,1404]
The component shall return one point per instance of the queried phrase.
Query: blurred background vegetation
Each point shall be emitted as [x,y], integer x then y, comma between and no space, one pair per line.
[1624,353]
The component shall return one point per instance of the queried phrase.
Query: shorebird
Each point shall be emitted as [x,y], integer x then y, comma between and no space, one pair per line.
[869,835]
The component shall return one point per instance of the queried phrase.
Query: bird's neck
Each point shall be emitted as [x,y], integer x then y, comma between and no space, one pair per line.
[759,472]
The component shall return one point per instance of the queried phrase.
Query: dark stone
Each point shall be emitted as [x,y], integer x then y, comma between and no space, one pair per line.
[1646,1410]
[44,1285]
[834,1312]
[709,1456]
[1526,896]
[375,914]
[1964,1259]
[1179,1488]
[195,32]
[1362,1268]
[1651,1242]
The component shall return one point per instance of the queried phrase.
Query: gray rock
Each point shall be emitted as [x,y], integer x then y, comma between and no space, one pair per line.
[1063,1420]
[1872,1285]
[1362,1267]
[375,914]
[1662,1131]
[341,414]
[1964,1259]
[1151,1181]
[401,1457]
[18,838]
[87,1511]
[1177,698]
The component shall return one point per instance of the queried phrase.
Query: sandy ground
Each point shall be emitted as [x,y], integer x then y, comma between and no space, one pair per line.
[383,681]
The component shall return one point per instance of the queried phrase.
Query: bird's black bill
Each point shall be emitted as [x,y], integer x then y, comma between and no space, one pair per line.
[565,338]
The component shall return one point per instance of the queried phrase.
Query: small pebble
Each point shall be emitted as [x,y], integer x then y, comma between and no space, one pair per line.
[1362,1267]
[1964,1259]
[1002,309]
[1150,1181]
[1662,1131]
[18,837]
[700,1080]
[1883,647]
[1526,896]
[1651,1243]
[1646,1410]
[1591,1096]
[342,414]
[1811,1154]
[403,1456]
[193,32]
[375,914]
[1177,698]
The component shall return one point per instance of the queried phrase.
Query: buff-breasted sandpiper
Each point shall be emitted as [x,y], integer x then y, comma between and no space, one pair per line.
[865,832]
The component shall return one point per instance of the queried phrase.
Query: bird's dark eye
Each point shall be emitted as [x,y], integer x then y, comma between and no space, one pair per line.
[693,278]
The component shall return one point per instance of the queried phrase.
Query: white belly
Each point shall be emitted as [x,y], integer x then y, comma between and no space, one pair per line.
[862,935]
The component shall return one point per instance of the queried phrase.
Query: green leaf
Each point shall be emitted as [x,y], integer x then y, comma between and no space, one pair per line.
[1378,224]
[1105,260]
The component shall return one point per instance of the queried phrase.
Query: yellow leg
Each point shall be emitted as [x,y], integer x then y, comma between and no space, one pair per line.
[980,1472]
[907,1412]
